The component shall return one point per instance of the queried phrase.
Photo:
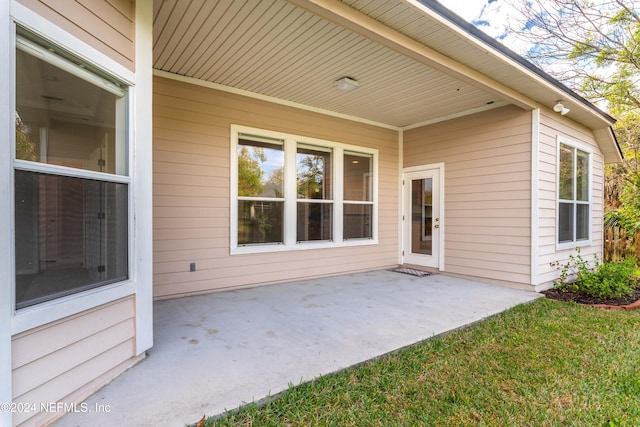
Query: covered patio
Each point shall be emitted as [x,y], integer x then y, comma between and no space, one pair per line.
[214,352]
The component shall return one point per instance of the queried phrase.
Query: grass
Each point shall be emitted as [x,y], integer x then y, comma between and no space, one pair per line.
[541,364]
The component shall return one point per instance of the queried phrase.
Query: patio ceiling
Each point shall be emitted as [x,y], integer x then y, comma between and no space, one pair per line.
[281,50]
[415,64]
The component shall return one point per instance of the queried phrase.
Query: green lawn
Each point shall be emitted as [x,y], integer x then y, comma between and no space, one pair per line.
[541,364]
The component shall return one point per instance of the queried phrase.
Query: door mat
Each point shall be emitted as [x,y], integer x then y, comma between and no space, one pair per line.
[411,271]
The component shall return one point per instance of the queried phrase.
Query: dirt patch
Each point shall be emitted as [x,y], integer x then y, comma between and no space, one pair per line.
[581,298]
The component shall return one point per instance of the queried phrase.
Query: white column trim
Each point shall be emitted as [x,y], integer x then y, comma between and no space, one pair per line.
[141,171]
[7,117]
[400,195]
[535,196]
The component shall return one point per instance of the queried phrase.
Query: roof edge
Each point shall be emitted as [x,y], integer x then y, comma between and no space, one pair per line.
[511,55]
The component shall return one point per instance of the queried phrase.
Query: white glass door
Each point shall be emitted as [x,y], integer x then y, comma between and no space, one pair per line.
[421,218]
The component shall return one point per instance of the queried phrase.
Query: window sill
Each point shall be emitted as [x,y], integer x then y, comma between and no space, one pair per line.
[51,311]
[274,248]
[573,245]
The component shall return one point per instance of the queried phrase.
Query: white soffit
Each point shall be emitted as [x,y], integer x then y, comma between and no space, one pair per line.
[275,49]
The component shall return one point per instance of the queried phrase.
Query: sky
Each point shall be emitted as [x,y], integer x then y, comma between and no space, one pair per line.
[493,16]
[490,16]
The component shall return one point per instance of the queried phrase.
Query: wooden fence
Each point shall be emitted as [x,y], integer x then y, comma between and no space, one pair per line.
[618,243]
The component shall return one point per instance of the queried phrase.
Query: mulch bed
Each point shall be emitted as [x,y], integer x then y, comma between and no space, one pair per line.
[585,299]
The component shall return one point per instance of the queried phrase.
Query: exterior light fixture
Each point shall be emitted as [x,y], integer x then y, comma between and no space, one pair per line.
[559,108]
[346,84]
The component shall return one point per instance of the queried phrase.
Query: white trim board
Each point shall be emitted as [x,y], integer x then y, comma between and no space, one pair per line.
[7,118]
[535,196]
[37,24]
[441,211]
[142,177]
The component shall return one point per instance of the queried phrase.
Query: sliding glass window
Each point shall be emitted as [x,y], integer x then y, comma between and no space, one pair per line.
[71,188]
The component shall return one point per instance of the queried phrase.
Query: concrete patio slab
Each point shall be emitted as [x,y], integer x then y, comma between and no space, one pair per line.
[215,352]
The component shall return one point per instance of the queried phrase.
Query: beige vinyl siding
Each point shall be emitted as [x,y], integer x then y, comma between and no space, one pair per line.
[487,196]
[191,196]
[59,362]
[106,25]
[551,127]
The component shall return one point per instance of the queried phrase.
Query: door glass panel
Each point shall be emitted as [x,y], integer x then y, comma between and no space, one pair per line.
[422,216]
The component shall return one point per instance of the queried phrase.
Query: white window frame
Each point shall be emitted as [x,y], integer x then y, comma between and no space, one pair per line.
[290,200]
[561,140]
[49,311]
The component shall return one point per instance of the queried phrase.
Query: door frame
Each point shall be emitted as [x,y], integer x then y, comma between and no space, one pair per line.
[438,168]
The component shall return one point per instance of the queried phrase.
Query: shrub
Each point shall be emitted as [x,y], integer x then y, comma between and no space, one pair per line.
[608,280]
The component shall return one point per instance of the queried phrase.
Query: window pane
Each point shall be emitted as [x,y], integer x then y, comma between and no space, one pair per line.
[64,120]
[313,173]
[565,222]
[314,221]
[582,222]
[582,177]
[422,216]
[259,222]
[260,169]
[357,221]
[71,235]
[566,172]
[358,174]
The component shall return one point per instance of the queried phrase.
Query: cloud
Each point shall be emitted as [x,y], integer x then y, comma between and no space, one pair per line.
[481,23]
[492,17]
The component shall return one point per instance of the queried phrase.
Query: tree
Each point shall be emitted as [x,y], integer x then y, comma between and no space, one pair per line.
[249,172]
[25,147]
[621,174]
[594,48]
[311,176]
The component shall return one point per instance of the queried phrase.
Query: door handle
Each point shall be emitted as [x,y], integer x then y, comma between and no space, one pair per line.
[436,226]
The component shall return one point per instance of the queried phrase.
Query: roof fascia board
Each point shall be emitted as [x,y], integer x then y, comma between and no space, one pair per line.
[613,155]
[242,92]
[353,20]
[505,55]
